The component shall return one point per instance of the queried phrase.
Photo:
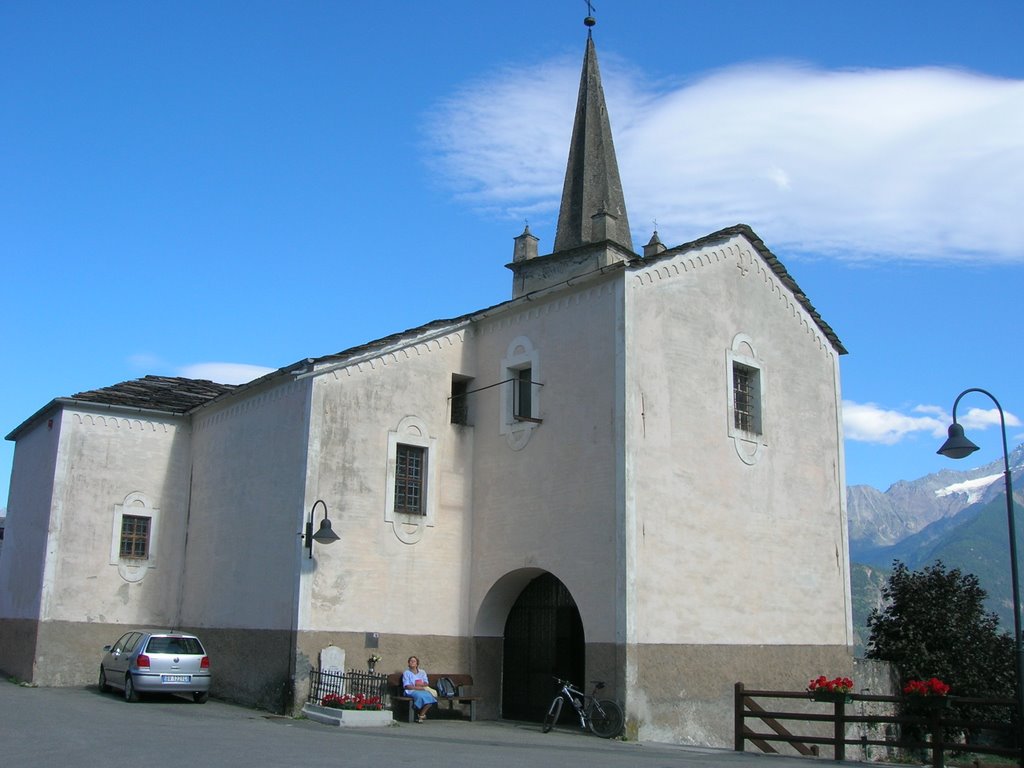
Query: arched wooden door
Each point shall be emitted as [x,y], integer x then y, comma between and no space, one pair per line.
[543,639]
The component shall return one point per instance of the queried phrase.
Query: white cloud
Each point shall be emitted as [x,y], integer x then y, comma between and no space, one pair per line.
[912,164]
[225,373]
[871,423]
[979,418]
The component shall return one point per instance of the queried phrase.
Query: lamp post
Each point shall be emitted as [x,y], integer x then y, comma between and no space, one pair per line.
[324,534]
[957,446]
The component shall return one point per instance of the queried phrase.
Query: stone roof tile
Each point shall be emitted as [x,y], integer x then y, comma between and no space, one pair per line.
[158,393]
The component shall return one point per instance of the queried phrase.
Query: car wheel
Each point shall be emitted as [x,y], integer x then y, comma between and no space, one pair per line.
[200,697]
[130,694]
[103,681]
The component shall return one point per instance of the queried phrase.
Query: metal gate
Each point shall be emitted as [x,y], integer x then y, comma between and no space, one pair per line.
[543,639]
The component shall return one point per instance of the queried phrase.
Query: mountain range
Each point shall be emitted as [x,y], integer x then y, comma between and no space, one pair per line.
[958,517]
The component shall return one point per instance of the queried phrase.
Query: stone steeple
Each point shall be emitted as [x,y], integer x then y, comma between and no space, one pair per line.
[592,187]
[593,230]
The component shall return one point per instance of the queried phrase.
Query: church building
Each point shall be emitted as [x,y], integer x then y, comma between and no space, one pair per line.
[631,470]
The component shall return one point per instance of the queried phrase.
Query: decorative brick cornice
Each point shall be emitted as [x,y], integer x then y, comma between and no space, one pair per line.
[415,349]
[747,260]
[550,305]
[115,421]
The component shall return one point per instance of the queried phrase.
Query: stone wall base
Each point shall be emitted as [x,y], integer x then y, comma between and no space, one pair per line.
[683,694]
[679,694]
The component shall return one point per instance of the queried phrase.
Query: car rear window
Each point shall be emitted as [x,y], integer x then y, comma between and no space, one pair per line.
[181,645]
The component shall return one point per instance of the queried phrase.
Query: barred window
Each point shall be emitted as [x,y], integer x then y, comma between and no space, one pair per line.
[135,537]
[410,467]
[746,388]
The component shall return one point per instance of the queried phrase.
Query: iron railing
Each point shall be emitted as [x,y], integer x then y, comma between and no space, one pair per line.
[352,683]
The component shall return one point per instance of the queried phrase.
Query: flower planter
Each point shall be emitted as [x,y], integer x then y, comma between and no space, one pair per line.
[831,696]
[928,702]
[353,718]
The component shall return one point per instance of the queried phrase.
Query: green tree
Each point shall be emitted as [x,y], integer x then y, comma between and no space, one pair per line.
[933,624]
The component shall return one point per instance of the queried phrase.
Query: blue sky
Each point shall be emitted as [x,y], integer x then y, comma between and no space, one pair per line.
[195,188]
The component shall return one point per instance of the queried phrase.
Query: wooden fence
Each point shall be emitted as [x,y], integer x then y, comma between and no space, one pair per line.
[807,724]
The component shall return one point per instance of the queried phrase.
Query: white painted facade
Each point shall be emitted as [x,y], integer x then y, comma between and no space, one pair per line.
[671,531]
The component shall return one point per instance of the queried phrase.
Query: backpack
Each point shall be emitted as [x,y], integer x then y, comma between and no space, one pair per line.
[446,688]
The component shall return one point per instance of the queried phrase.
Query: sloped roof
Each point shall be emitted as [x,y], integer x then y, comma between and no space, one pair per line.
[394,338]
[161,394]
[179,395]
[157,393]
[720,236]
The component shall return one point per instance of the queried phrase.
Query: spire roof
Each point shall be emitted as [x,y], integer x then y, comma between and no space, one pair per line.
[592,184]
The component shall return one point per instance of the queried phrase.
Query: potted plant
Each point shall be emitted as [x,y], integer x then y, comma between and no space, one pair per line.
[835,689]
[927,694]
[350,709]
[356,701]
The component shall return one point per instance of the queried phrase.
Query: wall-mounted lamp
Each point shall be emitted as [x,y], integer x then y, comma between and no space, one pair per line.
[324,534]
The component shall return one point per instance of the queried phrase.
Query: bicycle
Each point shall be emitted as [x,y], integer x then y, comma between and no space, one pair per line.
[604,717]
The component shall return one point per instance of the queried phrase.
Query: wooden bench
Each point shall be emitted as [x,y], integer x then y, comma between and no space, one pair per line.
[462,682]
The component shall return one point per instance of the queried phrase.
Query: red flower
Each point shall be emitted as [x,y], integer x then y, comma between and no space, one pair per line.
[332,700]
[932,687]
[835,685]
[352,701]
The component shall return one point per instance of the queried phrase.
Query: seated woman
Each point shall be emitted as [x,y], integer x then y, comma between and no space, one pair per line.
[414,681]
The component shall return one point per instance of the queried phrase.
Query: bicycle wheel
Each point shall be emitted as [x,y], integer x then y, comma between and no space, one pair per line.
[606,719]
[552,716]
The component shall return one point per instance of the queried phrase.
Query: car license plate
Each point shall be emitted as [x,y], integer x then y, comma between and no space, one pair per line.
[176,678]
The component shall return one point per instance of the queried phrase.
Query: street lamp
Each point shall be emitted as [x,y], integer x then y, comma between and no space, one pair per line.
[957,446]
[324,534]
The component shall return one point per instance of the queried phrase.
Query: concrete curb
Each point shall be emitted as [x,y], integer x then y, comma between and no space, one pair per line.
[351,718]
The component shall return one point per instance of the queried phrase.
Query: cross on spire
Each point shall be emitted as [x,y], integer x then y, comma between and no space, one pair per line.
[590,21]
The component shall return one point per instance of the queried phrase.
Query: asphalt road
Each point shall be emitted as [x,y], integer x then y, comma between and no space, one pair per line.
[71,727]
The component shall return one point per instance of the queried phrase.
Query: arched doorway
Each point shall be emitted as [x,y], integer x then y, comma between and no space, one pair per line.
[543,639]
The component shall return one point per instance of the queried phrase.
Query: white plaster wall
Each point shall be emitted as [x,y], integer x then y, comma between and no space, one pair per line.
[381,576]
[247,508]
[103,457]
[724,551]
[551,505]
[28,520]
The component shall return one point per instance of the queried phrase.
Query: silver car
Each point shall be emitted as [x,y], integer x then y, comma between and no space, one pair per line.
[150,661]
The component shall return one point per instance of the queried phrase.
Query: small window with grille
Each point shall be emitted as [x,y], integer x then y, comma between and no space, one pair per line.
[460,401]
[135,537]
[411,488]
[746,388]
[410,471]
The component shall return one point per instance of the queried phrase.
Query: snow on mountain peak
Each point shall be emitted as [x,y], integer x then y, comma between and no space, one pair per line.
[973,488]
